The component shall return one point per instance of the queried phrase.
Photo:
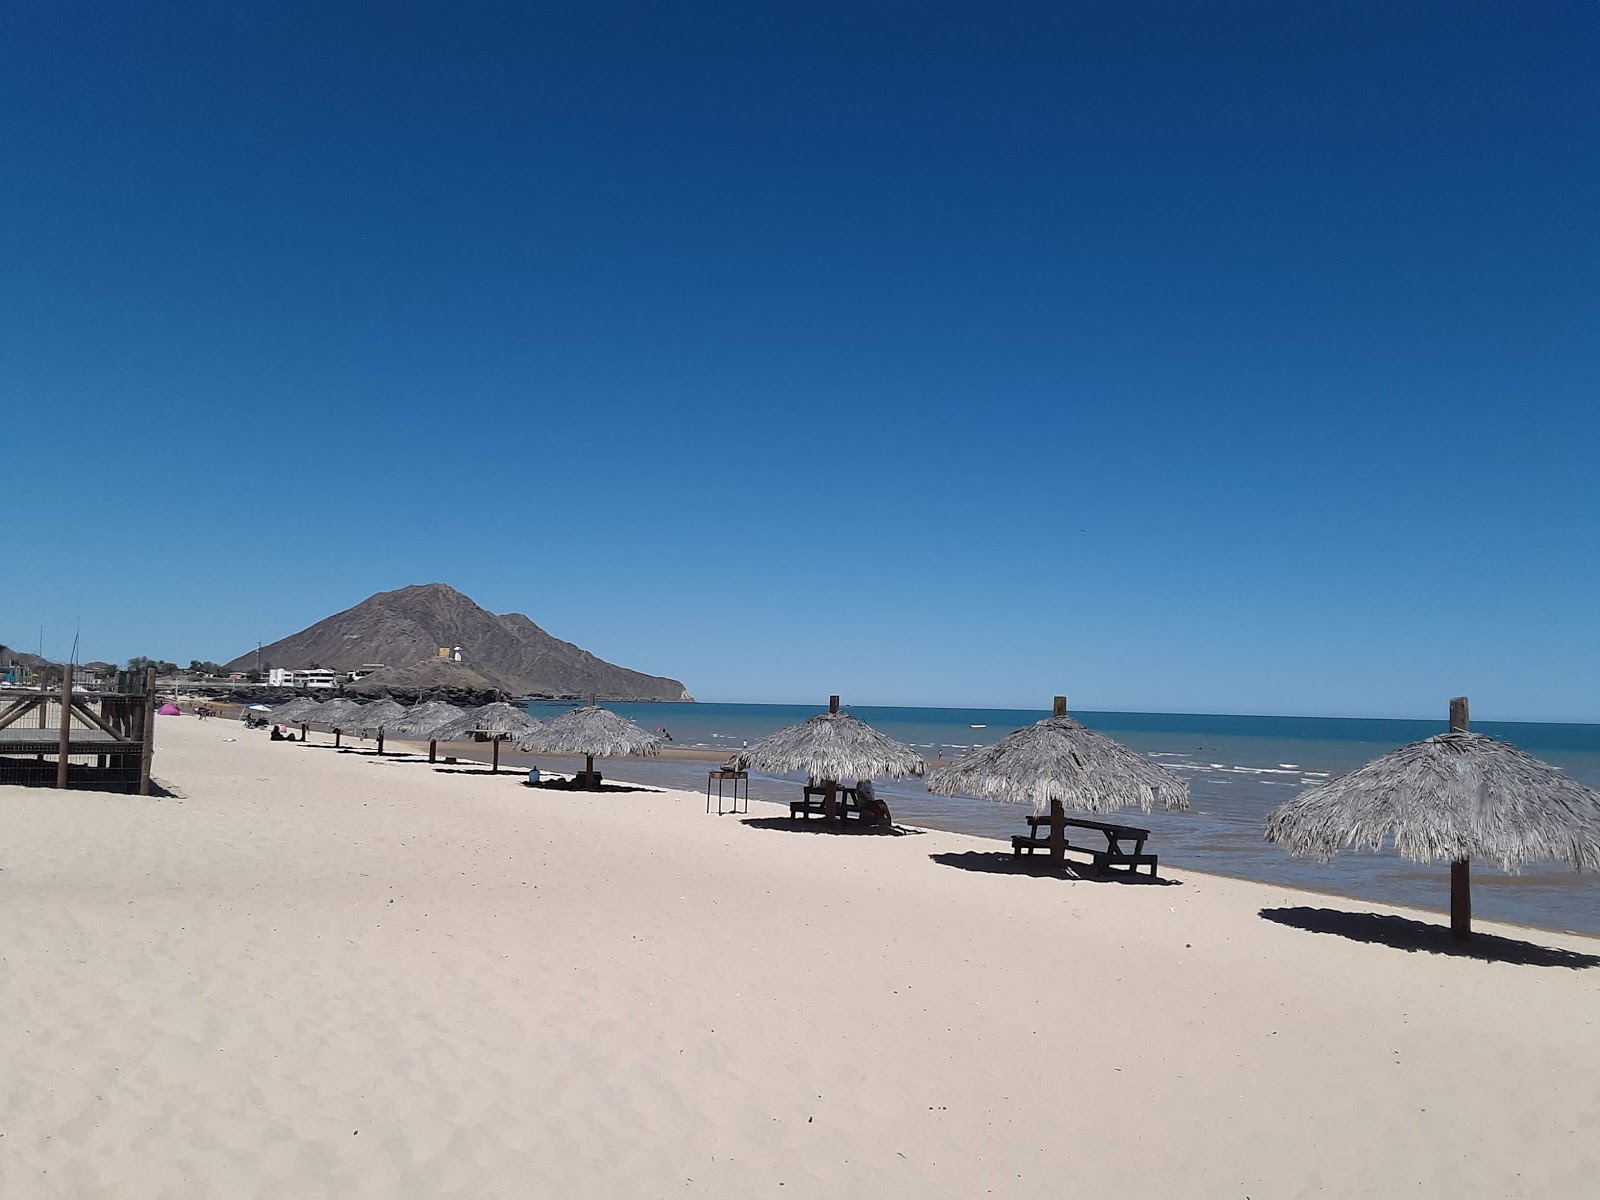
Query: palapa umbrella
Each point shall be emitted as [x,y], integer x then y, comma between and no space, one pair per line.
[591,731]
[1453,797]
[492,723]
[1057,762]
[422,719]
[377,717]
[291,712]
[300,711]
[829,747]
[339,715]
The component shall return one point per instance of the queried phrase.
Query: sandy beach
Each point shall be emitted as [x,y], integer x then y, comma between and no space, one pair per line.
[317,973]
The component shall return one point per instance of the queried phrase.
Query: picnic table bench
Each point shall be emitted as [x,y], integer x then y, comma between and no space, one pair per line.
[814,800]
[1124,844]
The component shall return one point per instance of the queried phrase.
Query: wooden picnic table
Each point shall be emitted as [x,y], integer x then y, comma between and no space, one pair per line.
[814,800]
[1124,843]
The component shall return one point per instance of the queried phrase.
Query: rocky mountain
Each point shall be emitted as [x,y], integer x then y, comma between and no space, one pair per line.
[405,628]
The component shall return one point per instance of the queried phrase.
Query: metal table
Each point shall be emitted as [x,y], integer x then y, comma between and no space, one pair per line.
[735,777]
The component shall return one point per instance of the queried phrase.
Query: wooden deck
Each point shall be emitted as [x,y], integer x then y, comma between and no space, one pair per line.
[111,733]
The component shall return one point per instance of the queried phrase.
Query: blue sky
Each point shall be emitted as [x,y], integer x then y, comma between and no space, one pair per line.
[1224,357]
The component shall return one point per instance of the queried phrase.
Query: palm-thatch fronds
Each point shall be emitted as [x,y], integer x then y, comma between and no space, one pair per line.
[495,723]
[300,711]
[422,719]
[593,732]
[339,714]
[1059,759]
[829,747]
[1454,797]
[379,715]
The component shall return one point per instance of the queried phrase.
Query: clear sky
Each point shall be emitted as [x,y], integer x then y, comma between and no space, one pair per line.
[1196,357]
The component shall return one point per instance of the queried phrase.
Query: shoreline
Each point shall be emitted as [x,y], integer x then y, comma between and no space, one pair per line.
[1003,844]
[692,754]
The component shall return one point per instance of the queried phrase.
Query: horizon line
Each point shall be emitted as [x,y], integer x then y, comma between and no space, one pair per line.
[1146,712]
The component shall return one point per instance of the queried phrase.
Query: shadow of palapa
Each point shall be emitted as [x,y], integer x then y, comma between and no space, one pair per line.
[1402,933]
[561,785]
[1038,866]
[790,825]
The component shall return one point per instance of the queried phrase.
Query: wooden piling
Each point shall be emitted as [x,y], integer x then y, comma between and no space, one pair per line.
[830,787]
[44,717]
[1058,815]
[65,739]
[1461,869]
[147,751]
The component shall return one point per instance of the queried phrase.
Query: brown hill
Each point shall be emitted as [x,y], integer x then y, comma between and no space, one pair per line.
[404,627]
[10,656]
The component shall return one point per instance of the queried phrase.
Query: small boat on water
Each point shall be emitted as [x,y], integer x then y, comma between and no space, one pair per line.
[977,727]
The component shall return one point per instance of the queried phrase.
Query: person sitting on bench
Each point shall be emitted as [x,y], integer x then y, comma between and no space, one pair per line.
[873,810]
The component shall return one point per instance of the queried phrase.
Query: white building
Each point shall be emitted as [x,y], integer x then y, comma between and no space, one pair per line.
[313,678]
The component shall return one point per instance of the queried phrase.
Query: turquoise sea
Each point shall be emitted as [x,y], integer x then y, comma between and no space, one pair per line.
[1239,768]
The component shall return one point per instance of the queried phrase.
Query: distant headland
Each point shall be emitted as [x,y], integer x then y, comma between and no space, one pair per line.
[409,636]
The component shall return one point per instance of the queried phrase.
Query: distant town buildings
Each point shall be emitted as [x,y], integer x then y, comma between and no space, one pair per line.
[318,678]
[314,678]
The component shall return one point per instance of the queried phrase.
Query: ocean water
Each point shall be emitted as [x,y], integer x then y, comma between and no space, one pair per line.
[1239,768]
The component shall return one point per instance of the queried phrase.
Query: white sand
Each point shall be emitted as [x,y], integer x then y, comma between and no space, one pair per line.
[322,974]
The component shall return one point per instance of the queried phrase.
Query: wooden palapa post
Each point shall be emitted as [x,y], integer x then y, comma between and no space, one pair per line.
[147,751]
[44,717]
[1058,815]
[588,769]
[66,726]
[830,787]
[1461,869]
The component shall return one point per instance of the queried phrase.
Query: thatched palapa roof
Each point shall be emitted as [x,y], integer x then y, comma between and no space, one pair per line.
[339,714]
[829,747]
[381,714]
[497,721]
[1456,796]
[422,719]
[593,732]
[302,710]
[1061,759]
